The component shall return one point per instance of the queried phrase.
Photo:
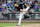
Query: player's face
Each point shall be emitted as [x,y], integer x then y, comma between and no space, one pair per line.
[16,5]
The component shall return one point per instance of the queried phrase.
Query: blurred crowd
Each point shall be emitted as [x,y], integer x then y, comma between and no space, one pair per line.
[8,5]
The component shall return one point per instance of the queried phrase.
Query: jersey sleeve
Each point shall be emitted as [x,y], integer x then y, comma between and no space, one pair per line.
[27,8]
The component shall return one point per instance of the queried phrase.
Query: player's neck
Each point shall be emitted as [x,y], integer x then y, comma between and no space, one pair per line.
[27,6]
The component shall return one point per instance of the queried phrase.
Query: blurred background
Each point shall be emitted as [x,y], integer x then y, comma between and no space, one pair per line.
[8,10]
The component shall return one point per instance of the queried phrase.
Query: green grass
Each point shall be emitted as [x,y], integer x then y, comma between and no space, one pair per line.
[14,24]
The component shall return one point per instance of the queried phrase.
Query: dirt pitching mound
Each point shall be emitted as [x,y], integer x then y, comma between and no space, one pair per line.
[32,25]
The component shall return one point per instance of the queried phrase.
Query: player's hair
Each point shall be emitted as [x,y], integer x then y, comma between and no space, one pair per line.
[15,3]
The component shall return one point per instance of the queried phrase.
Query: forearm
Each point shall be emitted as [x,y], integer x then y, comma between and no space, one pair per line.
[22,10]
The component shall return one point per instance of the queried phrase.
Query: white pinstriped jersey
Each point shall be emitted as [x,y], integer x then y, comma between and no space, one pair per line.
[26,9]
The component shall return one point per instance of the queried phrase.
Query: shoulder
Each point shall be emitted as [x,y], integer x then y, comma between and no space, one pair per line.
[28,7]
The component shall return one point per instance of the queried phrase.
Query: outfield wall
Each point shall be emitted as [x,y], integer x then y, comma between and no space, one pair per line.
[23,21]
[12,16]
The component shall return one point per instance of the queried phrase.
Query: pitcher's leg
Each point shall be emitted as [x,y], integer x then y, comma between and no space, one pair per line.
[20,18]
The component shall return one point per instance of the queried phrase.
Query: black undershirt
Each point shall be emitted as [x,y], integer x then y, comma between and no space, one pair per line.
[20,7]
